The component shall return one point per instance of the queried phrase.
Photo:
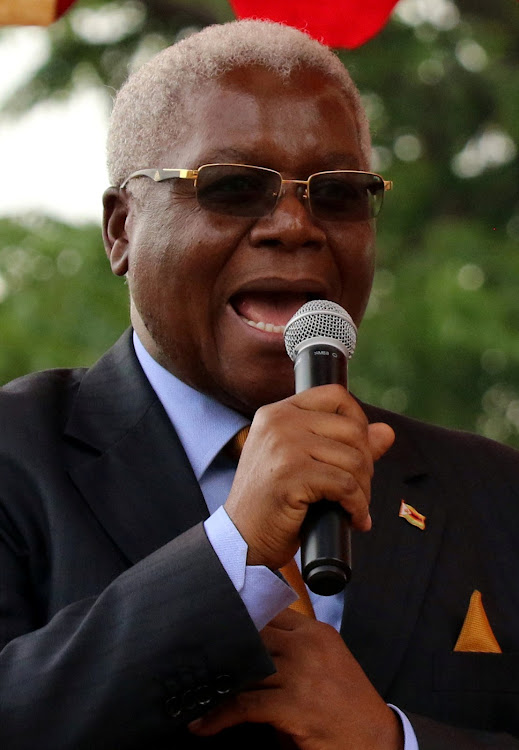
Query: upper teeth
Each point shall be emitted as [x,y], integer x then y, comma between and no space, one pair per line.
[270,327]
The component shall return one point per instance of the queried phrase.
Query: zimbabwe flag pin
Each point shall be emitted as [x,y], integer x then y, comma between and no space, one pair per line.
[411,515]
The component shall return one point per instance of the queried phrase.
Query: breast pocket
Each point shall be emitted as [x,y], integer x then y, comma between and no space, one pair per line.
[478,690]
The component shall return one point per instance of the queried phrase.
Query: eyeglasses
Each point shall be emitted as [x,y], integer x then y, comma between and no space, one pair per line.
[243,190]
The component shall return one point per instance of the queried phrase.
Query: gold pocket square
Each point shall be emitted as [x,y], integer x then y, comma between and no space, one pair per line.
[476,633]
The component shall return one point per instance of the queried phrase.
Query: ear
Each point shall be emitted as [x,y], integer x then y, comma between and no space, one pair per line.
[115,238]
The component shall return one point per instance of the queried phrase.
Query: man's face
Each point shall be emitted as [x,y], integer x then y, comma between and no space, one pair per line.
[198,279]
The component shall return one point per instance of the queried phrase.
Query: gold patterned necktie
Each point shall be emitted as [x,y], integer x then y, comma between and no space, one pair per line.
[290,571]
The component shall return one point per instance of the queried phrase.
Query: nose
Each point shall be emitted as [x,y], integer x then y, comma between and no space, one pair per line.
[290,225]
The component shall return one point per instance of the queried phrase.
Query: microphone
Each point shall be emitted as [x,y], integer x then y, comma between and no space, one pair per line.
[320,339]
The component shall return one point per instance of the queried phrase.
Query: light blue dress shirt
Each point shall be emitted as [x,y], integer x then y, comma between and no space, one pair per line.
[204,427]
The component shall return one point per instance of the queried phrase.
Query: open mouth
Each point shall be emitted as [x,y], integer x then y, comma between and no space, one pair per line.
[269,311]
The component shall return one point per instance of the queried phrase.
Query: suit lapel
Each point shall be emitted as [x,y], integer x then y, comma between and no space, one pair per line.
[126,459]
[392,564]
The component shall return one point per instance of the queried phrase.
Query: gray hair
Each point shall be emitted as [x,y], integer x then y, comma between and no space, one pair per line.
[158,91]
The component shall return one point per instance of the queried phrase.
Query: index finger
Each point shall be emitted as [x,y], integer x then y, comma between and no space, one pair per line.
[332,398]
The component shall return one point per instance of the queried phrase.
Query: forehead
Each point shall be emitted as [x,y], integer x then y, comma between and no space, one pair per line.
[254,116]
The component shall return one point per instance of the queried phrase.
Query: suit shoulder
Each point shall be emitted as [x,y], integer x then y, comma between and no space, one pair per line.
[36,385]
[38,395]
[436,441]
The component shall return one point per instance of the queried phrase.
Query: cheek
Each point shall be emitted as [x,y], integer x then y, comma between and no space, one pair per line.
[163,253]
[179,268]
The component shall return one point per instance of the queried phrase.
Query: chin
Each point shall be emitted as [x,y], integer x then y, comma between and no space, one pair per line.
[250,399]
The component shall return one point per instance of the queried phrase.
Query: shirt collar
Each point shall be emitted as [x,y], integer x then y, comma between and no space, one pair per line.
[203,424]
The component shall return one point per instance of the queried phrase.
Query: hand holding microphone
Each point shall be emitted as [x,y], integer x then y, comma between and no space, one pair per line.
[316,444]
[320,339]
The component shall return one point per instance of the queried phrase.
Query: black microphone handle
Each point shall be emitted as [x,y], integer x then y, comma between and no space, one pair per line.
[325,533]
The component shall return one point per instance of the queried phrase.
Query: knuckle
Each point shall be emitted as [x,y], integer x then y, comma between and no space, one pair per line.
[336,389]
[357,462]
[272,416]
[304,492]
[261,417]
[358,432]
[349,484]
[337,393]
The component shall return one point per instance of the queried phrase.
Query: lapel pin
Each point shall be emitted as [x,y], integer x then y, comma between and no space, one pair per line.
[411,515]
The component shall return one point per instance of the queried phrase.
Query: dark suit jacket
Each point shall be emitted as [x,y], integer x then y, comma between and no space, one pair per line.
[118,624]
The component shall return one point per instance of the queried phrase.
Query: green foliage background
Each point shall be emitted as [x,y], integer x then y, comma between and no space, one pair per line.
[441,336]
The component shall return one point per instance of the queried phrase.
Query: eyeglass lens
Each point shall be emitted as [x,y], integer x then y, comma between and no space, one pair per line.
[345,196]
[237,190]
[253,191]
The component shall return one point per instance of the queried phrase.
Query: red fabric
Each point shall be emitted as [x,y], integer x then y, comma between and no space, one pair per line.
[337,23]
[62,6]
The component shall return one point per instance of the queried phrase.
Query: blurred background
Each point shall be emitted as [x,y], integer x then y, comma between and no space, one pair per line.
[440,340]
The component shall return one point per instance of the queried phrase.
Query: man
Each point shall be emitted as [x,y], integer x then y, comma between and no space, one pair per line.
[130,618]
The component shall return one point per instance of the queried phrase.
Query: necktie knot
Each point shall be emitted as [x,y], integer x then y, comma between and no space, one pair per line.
[235,445]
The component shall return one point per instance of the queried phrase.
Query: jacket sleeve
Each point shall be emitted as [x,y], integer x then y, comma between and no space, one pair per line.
[131,667]
[432,735]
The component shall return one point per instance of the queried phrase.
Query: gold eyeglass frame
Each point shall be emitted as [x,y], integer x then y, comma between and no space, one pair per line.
[158,174]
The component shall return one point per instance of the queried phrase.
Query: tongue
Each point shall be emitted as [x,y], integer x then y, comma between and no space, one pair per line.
[268,307]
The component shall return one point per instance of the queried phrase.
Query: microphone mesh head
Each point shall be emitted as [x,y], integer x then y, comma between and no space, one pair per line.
[321,319]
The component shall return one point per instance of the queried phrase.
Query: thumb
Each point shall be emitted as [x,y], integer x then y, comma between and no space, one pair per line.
[381,437]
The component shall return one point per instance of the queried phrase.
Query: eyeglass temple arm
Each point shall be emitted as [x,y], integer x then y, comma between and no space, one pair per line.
[158,175]
[388,185]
